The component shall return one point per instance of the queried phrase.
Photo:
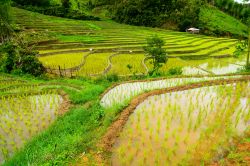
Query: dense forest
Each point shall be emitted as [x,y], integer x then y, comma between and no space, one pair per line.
[182,13]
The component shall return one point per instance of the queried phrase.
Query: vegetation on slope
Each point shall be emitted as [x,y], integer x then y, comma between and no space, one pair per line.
[16,54]
[240,11]
[74,9]
[214,22]
[178,15]
[5,21]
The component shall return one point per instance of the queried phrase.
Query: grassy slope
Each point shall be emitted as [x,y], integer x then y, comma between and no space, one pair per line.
[218,22]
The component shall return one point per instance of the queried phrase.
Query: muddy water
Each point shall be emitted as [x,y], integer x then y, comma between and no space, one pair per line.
[124,92]
[169,129]
[22,118]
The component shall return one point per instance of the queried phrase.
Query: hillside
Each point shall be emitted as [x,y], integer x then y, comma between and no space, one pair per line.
[215,22]
[84,92]
[76,45]
[175,15]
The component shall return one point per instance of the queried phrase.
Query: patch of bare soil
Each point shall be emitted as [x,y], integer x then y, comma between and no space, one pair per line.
[64,107]
[240,154]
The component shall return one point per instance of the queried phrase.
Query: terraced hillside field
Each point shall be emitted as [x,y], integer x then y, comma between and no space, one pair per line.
[36,116]
[91,48]
[179,121]
[38,127]
[26,109]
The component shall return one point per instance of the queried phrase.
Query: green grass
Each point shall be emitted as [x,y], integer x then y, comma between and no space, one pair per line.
[95,64]
[75,132]
[63,60]
[219,22]
[79,38]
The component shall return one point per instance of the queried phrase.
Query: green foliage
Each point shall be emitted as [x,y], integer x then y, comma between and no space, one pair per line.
[65,8]
[8,57]
[129,67]
[155,12]
[5,21]
[154,51]
[240,11]
[20,59]
[175,71]
[214,22]
[33,2]
[240,48]
[112,77]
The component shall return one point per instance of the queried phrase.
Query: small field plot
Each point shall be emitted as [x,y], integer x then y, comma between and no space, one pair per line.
[121,62]
[68,60]
[176,63]
[168,129]
[95,64]
[123,93]
[22,117]
[220,66]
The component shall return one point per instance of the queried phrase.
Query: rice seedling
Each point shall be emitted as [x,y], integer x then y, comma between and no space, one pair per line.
[125,92]
[22,116]
[202,125]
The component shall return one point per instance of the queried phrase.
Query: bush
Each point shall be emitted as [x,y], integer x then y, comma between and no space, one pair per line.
[112,77]
[20,59]
[7,57]
[175,71]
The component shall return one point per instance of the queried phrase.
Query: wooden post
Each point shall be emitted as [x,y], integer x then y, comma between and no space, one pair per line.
[60,71]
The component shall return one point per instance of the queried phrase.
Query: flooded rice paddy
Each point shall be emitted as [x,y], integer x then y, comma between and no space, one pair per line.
[23,117]
[186,127]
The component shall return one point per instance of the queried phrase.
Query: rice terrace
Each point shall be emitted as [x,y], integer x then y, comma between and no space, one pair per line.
[113,82]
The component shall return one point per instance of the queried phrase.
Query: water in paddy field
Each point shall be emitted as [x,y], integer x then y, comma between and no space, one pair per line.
[23,117]
[124,92]
[184,127]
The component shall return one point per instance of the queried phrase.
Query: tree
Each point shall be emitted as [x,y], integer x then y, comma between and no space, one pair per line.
[243,45]
[154,51]
[5,21]
[19,57]
[66,4]
[41,3]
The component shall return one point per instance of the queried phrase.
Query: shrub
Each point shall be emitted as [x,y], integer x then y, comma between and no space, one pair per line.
[112,77]
[175,71]
[20,59]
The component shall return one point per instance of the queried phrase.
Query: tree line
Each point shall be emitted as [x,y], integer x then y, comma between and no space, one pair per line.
[183,13]
[61,8]
[154,13]
[16,53]
[240,11]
